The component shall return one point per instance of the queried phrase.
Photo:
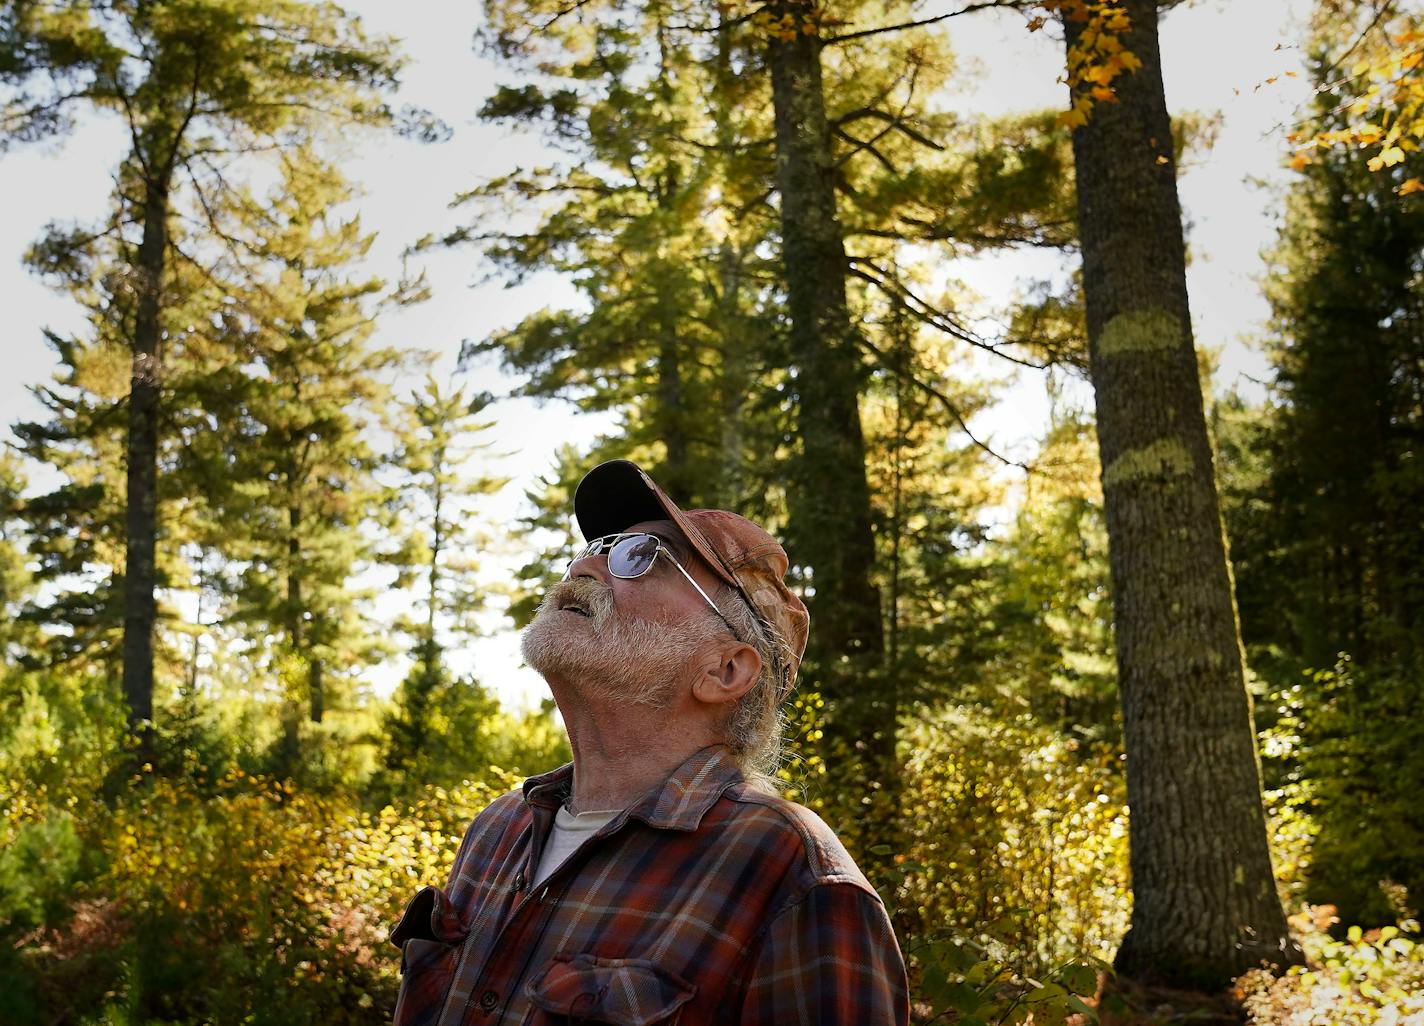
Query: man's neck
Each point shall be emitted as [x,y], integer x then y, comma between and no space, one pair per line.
[620,752]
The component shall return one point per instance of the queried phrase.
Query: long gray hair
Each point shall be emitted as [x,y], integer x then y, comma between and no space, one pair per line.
[755,729]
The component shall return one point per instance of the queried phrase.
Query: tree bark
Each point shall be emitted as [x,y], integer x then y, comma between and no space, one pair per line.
[829,500]
[141,518]
[672,420]
[1205,906]
[833,509]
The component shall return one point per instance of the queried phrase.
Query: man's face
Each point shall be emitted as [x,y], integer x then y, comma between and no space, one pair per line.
[625,640]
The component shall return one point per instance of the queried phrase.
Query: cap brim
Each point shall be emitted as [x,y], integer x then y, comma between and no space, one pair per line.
[614,496]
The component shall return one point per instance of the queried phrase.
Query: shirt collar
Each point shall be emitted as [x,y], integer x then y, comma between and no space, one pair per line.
[678,803]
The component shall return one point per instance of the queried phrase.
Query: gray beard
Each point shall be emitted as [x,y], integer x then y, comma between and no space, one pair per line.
[608,658]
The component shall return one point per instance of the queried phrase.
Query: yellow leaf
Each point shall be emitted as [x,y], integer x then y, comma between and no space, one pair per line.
[1073,118]
[1299,162]
[1102,93]
[1375,163]
[1161,159]
[1130,60]
[1410,185]
[1392,156]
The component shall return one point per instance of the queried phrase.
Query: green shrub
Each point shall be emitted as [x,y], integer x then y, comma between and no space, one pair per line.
[1018,841]
[1348,750]
[1370,978]
[243,901]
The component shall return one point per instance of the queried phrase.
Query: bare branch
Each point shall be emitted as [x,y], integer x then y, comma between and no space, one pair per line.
[919,23]
[926,313]
[894,122]
[904,374]
[865,146]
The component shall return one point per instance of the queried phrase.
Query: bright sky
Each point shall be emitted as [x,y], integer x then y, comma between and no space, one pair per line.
[1217,57]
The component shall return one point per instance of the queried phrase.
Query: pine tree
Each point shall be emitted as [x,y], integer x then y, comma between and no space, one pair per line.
[77,529]
[289,469]
[1327,487]
[17,583]
[196,82]
[647,224]
[441,537]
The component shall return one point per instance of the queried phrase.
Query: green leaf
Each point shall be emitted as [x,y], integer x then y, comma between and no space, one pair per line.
[1047,992]
[963,998]
[1080,979]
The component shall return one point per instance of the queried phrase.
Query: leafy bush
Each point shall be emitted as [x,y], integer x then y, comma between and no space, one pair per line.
[1370,978]
[1018,842]
[1348,748]
[254,903]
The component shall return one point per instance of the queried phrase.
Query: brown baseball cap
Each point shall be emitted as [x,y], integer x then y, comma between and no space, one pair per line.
[615,495]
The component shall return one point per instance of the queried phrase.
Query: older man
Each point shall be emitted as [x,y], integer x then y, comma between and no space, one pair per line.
[659,878]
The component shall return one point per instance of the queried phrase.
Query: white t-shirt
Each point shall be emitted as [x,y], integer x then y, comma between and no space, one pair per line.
[568,832]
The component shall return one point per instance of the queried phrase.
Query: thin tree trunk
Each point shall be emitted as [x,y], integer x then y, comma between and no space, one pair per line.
[141,519]
[829,502]
[1204,898]
[316,691]
[672,420]
[832,504]
[734,380]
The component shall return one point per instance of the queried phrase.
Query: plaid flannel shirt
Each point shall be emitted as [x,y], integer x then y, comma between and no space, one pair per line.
[704,902]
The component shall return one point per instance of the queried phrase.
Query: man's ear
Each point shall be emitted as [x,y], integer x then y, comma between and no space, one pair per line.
[730,677]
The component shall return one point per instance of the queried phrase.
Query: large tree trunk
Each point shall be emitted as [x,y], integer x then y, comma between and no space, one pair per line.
[1204,898]
[830,498]
[141,520]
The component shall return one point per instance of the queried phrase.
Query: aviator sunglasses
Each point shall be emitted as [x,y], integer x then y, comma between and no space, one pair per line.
[630,556]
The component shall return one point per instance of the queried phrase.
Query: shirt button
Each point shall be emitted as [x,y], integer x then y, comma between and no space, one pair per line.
[488,1000]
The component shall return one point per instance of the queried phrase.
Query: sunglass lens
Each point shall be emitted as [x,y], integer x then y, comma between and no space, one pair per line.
[631,557]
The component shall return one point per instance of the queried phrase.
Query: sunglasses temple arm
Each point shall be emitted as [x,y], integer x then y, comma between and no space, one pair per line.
[708,599]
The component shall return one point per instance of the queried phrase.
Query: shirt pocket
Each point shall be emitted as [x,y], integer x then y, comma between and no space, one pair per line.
[430,936]
[577,988]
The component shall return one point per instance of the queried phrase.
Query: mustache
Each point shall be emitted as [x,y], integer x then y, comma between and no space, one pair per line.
[593,596]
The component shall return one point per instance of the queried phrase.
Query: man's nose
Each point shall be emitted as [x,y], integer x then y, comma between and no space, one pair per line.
[595,566]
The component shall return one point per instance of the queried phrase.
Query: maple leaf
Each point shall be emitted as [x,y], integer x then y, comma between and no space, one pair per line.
[1129,60]
[1073,118]
[1410,185]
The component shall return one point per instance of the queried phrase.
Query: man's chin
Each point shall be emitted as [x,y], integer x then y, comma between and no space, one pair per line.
[557,643]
